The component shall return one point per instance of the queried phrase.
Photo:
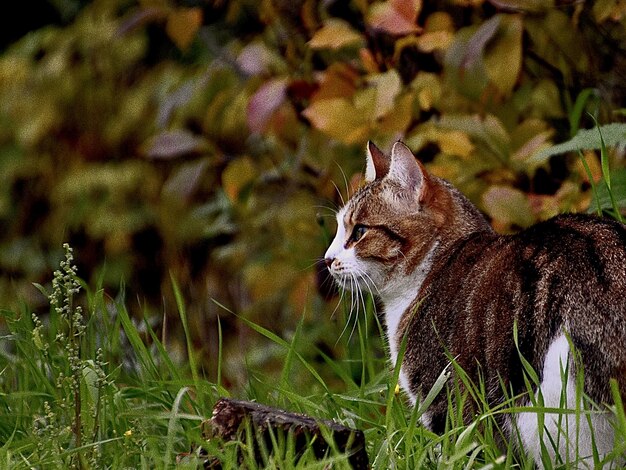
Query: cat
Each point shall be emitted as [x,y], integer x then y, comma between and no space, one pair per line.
[455,288]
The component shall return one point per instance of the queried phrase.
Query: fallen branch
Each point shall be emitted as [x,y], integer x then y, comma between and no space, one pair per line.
[230,418]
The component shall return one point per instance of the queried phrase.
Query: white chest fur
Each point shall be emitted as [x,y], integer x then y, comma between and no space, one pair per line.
[397,298]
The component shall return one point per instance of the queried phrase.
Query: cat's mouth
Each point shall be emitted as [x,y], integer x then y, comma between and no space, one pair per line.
[354,282]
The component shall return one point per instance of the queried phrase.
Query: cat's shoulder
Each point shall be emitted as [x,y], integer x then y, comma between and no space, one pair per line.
[565,231]
[578,223]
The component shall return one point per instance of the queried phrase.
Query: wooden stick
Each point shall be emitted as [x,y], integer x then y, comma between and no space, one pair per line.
[230,416]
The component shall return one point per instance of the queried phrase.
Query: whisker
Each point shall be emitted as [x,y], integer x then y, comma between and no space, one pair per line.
[366,277]
[345,182]
[347,322]
[356,319]
[343,201]
[333,210]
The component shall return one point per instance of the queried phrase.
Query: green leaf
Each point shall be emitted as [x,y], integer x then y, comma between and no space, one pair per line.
[618,188]
[590,139]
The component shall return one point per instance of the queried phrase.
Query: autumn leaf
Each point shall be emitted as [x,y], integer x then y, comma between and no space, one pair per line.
[455,143]
[182,26]
[185,180]
[438,32]
[427,88]
[397,120]
[337,81]
[258,59]
[335,34]
[397,17]
[388,86]
[503,58]
[173,144]
[508,205]
[609,10]
[429,42]
[339,118]
[237,175]
[488,130]
[264,102]
[530,6]
[463,62]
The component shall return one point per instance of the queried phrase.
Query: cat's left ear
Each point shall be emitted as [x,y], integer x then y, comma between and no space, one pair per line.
[376,163]
[407,171]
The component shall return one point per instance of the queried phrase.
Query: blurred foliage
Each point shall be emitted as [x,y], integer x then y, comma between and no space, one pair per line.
[207,139]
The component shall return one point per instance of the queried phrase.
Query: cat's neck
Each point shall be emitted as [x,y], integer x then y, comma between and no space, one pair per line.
[397,296]
[459,220]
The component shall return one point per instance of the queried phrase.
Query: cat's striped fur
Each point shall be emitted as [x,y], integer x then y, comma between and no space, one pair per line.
[455,288]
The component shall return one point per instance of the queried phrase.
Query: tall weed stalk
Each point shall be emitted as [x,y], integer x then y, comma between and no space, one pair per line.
[73,409]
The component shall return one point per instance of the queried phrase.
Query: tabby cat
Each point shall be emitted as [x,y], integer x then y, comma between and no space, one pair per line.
[452,287]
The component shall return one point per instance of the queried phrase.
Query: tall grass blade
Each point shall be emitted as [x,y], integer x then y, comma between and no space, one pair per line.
[606,173]
[281,342]
[171,427]
[149,368]
[191,354]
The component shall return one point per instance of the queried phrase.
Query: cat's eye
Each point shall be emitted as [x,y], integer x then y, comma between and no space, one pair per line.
[357,232]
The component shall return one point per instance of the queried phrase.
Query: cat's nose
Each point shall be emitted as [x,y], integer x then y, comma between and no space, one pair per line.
[329,262]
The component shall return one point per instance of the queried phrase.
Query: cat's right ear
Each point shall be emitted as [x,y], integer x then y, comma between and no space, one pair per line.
[377,163]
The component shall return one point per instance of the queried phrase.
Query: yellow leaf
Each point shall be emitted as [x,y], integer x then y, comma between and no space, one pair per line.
[455,143]
[338,118]
[428,89]
[368,61]
[530,6]
[335,34]
[437,40]
[388,86]
[438,32]
[425,99]
[364,101]
[602,10]
[508,206]
[503,58]
[236,176]
[182,26]
[439,21]
[399,118]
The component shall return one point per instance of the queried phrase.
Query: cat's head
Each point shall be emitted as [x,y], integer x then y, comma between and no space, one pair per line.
[390,227]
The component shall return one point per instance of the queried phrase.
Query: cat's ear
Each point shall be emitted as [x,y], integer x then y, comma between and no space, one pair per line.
[376,163]
[407,171]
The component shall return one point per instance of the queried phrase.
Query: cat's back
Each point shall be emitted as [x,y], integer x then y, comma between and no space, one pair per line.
[565,274]
[576,235]
[585,247]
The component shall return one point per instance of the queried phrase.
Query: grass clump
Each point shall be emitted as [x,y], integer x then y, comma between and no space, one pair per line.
[81,389]
[91,387]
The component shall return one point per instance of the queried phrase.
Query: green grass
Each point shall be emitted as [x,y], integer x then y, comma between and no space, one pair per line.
[98,389]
